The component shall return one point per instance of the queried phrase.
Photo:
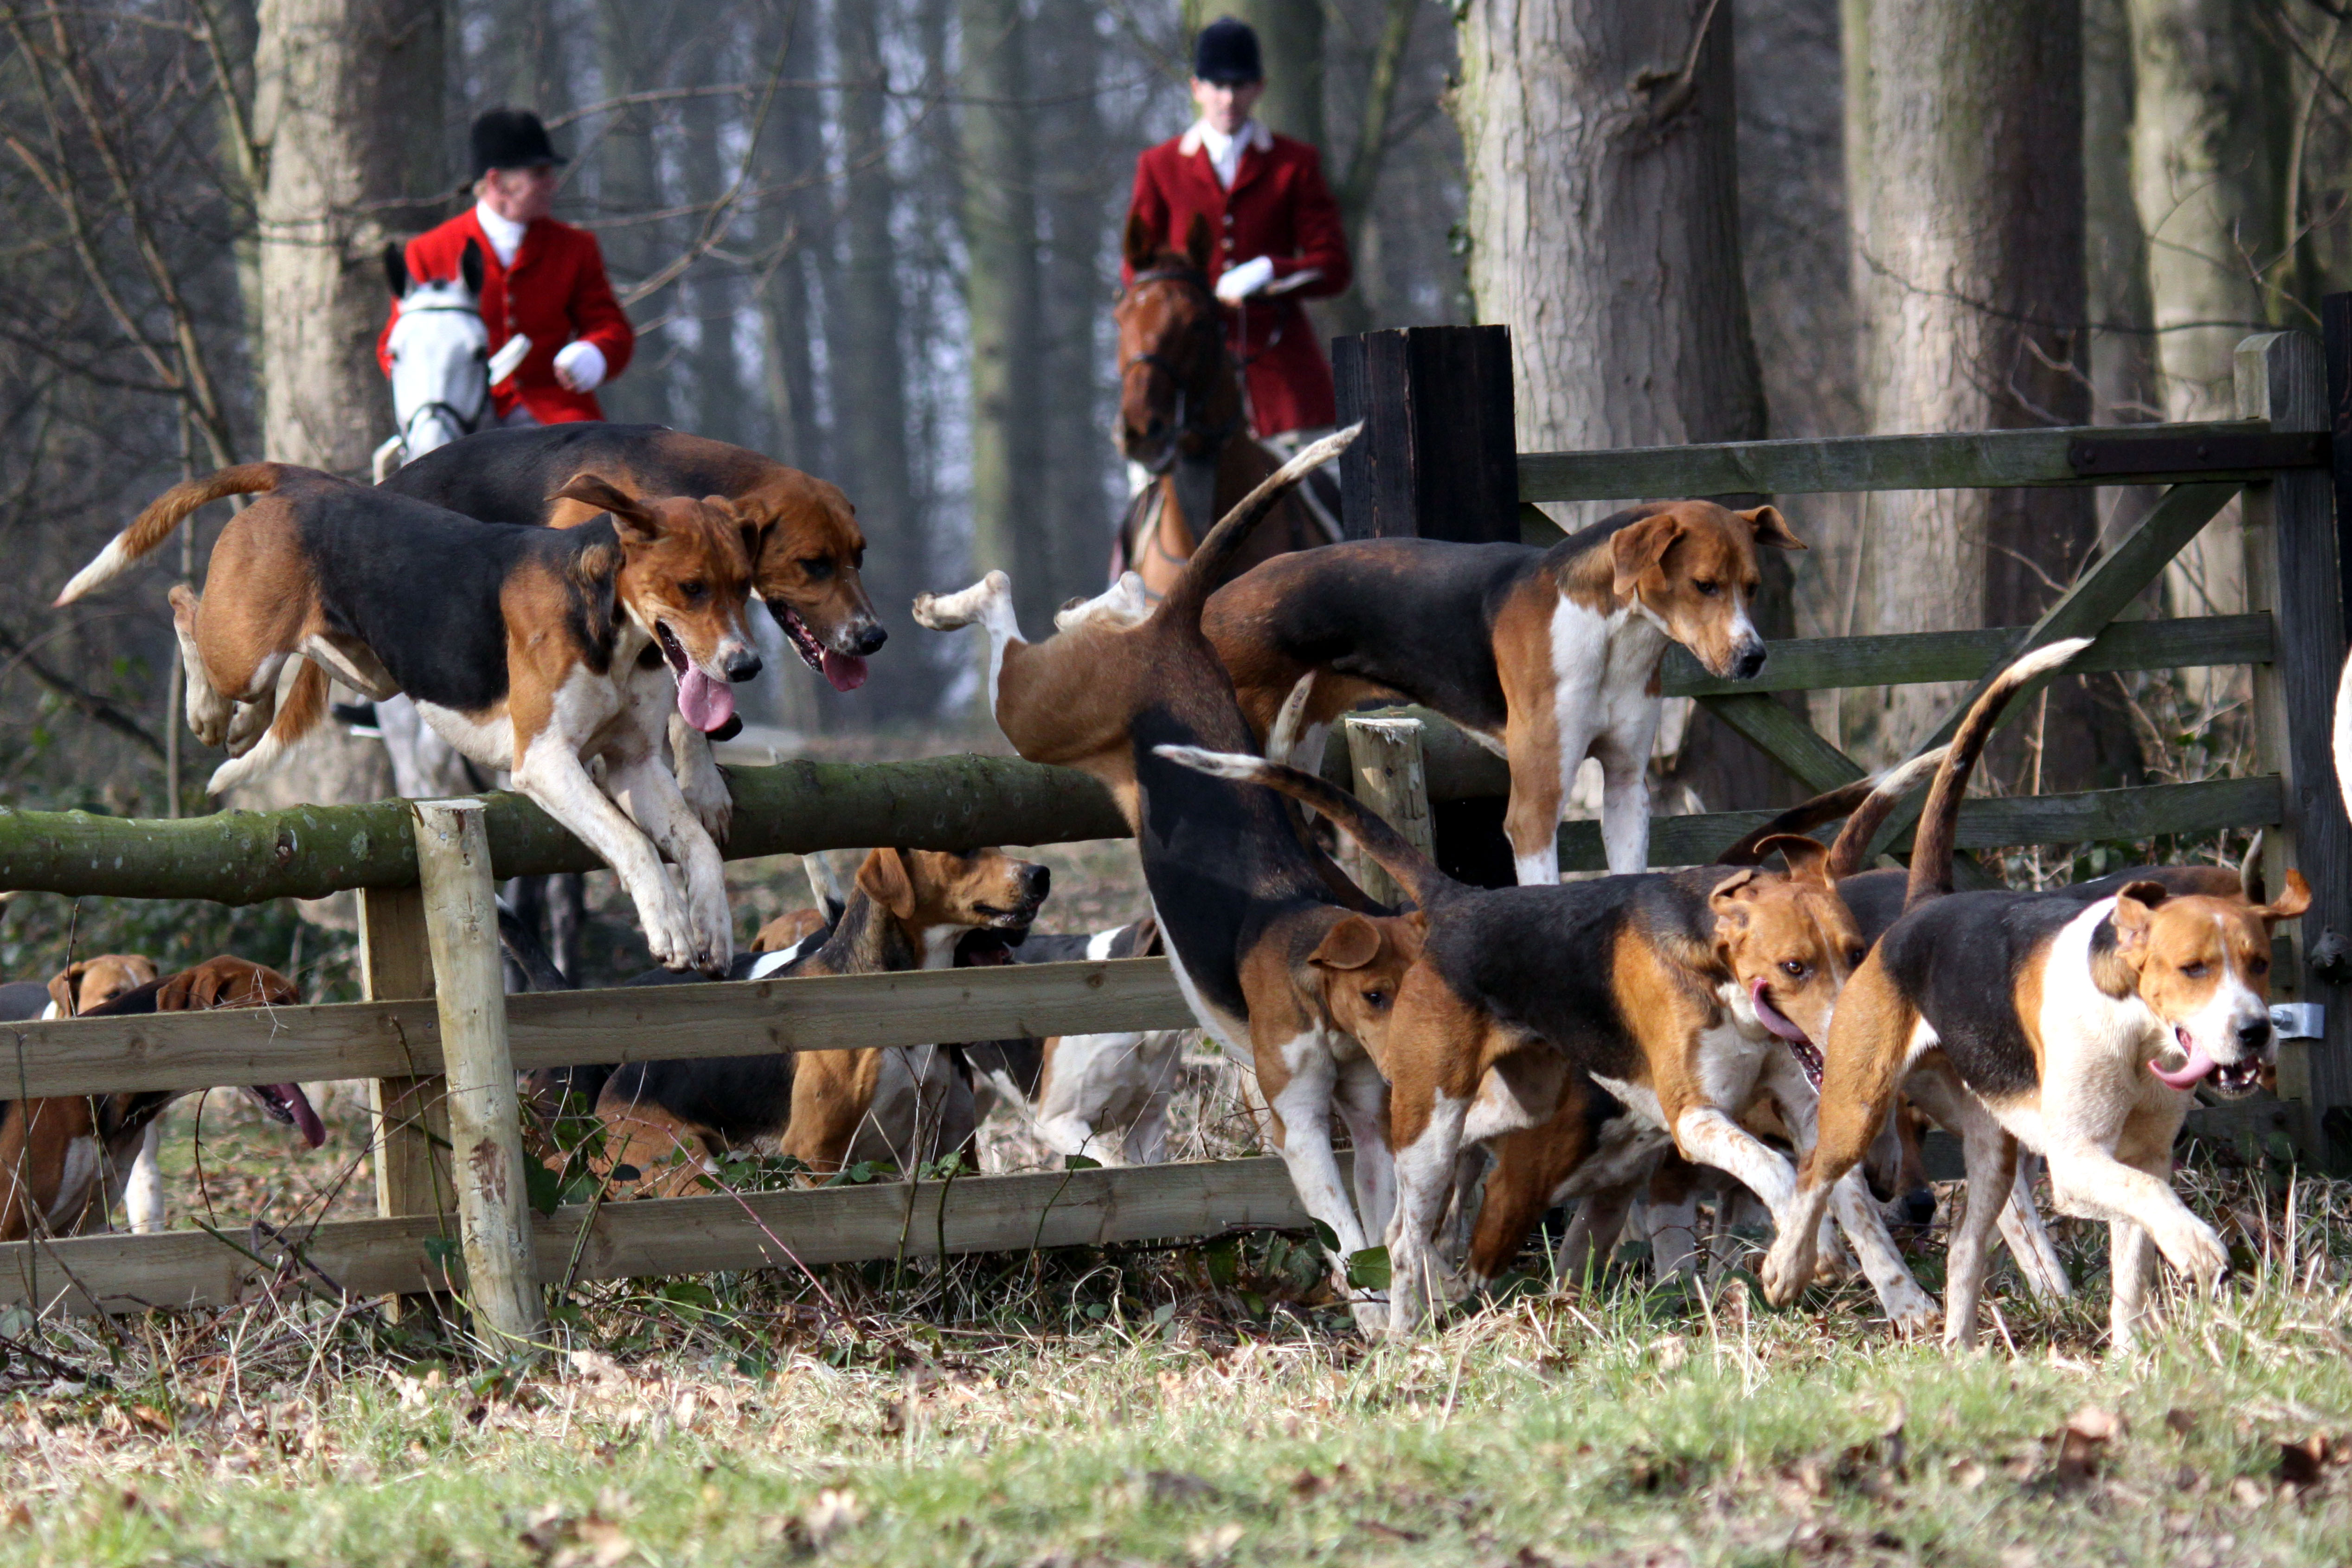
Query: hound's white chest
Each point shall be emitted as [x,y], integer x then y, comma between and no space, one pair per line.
[1602,666]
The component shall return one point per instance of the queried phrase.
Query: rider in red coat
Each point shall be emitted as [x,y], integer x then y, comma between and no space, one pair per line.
[542,279]
[1277,229]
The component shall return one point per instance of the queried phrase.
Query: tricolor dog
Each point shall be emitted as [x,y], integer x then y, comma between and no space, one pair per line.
[532,649]
[1270,943]
[903,1105]
[91,982]
[65,1161]
[1674,991]
[807,548]
[2081,1029]
[1545,656]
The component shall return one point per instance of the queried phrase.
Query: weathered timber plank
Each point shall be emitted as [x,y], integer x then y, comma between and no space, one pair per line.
[1787,740]
[310,851]
[1990,460]
[2093,816]
[639,1023]
[1826,664]
[686,1236]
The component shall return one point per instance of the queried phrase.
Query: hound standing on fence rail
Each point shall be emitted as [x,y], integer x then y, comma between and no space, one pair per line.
[532,649]
[1546,657]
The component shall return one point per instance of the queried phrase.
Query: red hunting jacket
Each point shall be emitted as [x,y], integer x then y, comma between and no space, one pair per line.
[555,292]
[1279,207]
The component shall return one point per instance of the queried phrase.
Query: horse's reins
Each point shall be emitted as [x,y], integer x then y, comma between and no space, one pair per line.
[1213,436]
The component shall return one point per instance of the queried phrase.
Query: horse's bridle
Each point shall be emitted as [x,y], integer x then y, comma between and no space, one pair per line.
[463,426]
[1210,328]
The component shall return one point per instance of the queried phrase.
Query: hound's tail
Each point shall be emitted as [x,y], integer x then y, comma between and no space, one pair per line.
[1864,803]
[1414,871]
[1206,565]
[1939,819]
[166,513]
[301,704]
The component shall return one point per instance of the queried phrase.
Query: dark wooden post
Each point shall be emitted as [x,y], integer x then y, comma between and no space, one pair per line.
[1438,459]
[2336,323]
[2293,573]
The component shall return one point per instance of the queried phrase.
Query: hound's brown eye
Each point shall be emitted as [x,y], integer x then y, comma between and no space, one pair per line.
[1706,589]
[1376,998]
[2193,970]
[1794,968]
[2258,966]
[1854,958]
[695,591]
[817,568]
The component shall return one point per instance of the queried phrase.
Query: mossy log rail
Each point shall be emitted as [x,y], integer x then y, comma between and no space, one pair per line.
[308,852]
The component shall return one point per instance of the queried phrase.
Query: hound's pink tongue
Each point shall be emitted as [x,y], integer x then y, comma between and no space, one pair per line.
[1771,1017]
[306,1121]
[706,703]
[847,671]
[2189,1074]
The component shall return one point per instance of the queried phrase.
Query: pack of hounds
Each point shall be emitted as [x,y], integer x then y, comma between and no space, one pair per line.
[568,606]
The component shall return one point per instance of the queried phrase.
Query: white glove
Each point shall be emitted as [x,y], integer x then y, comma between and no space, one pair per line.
[580,365]
[1237,283]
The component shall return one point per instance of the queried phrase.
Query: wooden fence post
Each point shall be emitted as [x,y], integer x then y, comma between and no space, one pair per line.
[1438,459]
[2291,572]
[412,1170]
[1385,756]
[461,924]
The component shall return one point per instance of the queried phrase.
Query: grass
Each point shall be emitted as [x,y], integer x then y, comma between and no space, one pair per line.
[1197,1407]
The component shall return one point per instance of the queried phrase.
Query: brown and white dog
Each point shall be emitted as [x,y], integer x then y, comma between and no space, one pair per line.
[903,1105]
[807,549]
[531,649]
[2049,1019]
[65,1161]
[1271,944]
[1545,656]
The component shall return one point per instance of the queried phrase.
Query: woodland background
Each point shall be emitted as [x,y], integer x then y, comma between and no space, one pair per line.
[877,240]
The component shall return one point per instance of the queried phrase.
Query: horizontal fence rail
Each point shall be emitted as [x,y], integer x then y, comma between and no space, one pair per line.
[625,1023]
[2230,450]
[671,1235]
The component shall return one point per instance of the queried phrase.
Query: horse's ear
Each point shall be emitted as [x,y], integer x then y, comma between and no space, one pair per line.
[469,268]
[1140,244]
[395,269]
[1198,242]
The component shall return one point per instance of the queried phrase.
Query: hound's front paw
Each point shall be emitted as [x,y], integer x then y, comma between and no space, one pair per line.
[1913,1312]
[669,934]
[1788,1269]
[2191,1246]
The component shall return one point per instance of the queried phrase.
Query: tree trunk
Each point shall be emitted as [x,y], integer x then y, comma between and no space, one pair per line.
[869,352]
[1973,296]
[1000,292]
[2206,133]
[716,393]
[1073,171]
[2126,388]
[1291,41]
[1604,230]
[342,89]
[630,47]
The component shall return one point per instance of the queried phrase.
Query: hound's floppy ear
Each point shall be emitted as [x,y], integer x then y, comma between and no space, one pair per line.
[1139,243]
[1808,858]
[1351,945]
[1198,242]
[1725,897]
[65,987]
[1143,938]
[180,991]
[885,879]
[1772,528]
[747,528]
[2134,908]
[395,269]
[1637,547]
[469,269]
[2291,903]
[633,515]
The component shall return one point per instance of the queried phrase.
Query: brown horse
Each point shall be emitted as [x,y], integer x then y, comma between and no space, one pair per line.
[1182,417]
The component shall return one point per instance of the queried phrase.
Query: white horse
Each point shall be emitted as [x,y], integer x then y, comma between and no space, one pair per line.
[442,368]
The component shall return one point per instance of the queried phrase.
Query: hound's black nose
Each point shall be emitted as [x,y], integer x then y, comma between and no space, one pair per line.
[1919,1206]
[1750,664]
[2254,1034]
[1034,882]
[870,636]
[743,665]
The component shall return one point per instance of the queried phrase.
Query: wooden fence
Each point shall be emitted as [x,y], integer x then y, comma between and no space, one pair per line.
[1431,465]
